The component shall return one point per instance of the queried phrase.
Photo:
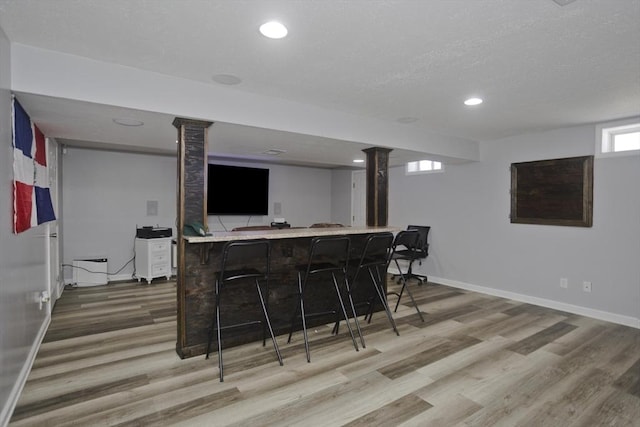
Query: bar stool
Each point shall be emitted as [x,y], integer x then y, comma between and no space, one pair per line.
[243,260]
[375,259]
[403,248]
[328,255]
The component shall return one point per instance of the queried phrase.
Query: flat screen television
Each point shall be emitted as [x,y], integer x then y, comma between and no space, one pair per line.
[237,190]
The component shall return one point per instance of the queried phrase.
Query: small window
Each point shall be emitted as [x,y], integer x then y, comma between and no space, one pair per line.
[424,166]
[618,138]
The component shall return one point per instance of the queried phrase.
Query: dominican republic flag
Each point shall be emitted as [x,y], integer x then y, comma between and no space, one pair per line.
[31,197]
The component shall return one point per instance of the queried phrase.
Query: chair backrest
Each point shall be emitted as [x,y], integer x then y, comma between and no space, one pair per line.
[377,249]
[246,254]
[333,249]
[422,246]
[406,239]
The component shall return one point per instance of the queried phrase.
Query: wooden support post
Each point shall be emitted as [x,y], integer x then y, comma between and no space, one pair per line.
[192,201]
[377,186]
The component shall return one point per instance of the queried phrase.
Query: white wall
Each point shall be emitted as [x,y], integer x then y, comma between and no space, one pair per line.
[304,195]
[341,196]
[473,244]
[105,198]
[23,273]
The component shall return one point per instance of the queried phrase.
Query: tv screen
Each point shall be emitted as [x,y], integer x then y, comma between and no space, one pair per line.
[237,190]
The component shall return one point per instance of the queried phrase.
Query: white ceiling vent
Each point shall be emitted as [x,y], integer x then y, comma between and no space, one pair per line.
[274,152]
[563,2]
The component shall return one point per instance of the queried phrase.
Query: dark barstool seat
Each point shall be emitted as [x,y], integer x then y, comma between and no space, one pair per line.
[328,256]
[374,260]
[243,260]
[403,249]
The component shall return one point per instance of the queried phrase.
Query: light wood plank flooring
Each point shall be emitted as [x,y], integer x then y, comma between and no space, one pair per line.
[109,359]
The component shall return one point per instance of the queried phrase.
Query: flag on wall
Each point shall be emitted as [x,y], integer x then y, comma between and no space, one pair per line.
[31,197]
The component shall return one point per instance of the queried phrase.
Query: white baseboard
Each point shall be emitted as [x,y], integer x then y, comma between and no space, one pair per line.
[570,308]
[120,277]
[18,386]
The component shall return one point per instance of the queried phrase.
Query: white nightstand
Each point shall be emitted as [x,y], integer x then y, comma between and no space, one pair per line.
[153,258]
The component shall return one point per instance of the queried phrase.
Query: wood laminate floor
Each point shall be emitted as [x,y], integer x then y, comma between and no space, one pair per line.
[109,358]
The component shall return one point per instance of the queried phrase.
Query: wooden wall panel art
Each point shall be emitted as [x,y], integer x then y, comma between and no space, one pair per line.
[553,192]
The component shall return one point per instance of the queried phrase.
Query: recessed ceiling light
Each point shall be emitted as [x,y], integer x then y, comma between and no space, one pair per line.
[473,101]
[273,30]
[226,79]
[127,121]
[406,120]
[358,160]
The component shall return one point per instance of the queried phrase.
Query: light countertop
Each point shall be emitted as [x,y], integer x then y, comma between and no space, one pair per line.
[286,233]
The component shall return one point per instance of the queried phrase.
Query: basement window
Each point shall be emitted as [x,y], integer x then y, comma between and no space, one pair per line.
[424,166]
[619,138]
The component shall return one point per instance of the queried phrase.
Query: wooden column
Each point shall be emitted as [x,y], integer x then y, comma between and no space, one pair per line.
[192,200]
[377,186]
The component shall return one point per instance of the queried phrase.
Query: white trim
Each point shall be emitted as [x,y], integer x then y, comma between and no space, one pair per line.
[18,386]
[570,308]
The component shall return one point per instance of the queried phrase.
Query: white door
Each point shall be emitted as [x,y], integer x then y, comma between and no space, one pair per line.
[359,198]
[53,239]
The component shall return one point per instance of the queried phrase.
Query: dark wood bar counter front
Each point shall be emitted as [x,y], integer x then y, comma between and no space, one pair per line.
[289,247]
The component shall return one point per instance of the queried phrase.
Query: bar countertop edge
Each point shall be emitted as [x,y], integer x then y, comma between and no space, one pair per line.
[286,233]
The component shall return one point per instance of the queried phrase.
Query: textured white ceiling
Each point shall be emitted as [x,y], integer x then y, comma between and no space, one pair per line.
[538,65]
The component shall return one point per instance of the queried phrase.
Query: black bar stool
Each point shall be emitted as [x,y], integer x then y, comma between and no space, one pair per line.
[328,255]
[404,246]
[374,260]
[243,260]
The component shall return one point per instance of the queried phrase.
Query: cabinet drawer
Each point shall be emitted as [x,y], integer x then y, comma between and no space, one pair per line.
[158,246]
[159,270]
[159,258]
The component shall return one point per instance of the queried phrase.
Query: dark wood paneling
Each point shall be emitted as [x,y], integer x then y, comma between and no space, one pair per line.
[553,192]
[241,304]
[377,177]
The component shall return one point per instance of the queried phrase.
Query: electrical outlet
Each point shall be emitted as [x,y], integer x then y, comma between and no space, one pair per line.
[564,283]
[586,286]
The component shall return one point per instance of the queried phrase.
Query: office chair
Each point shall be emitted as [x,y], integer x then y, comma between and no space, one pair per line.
[242,260]
[411,255]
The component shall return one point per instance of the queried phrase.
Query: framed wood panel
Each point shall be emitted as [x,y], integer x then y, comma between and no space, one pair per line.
[553,192]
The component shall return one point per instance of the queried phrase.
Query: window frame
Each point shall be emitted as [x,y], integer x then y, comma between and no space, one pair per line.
[605,135]
[423,171]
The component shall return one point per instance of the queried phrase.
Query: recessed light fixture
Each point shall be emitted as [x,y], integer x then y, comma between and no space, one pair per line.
[473,101]
[127,121]
[226,79]
[405,120]
[358,160]
[273,30]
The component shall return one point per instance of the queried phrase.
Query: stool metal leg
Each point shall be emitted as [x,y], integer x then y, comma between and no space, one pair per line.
[268,323]
[218,329]
[404,285]
[377,285]
[344,311]
[353,310]
[304,320]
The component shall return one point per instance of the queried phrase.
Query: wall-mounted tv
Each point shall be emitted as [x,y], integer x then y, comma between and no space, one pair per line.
[237,190]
